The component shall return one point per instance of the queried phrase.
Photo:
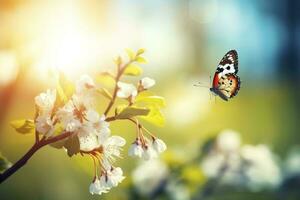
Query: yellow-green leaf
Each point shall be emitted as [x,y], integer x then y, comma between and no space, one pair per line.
[141,60]
[118,60]
[106,79]
[154,117]
[65,89]
[151,101]
[105,93]
[24,126]
[72,145]
[130,54]
[120,108]
[132,111]
[4,163]
[133,70]
[140,51]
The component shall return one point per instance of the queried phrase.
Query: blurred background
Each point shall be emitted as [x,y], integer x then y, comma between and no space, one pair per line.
[184,41]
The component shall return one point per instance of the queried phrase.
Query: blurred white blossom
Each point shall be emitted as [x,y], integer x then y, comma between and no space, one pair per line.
[292,162]
[228,141]
[254,167]
[147,82]
[177,191]
[262,170]
[126,90]
[84,84]
[148,175]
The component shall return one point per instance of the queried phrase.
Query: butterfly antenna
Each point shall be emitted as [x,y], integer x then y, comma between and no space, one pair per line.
[199,84]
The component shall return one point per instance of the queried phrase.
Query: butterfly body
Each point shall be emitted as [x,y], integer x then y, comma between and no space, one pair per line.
[226,83]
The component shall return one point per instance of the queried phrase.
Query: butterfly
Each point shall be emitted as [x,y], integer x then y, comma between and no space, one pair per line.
[226,83]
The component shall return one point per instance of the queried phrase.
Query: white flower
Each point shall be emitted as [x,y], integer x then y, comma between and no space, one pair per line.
[147,82]
[72,125]
[97,188]
[149,153]
[126,90]
[102,127]
[84,84]
[44,125]
[112,147]
[136,149]
[228,141]
[45,101]
[92,116]
[88,142]
[99,123]
[112,177]
[66,113]
[148,175]
[262,170]
[159,146]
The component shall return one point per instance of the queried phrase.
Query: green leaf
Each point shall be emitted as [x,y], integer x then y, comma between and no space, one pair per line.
[65,89]
[118,60]
[120,108]
[72,145]
[130,54]
[140,51]
[105,93]
[106,79]
[154,117]
[24,126]
[4,163]
[133,70]
[151,100]
[132,111]
[141,60]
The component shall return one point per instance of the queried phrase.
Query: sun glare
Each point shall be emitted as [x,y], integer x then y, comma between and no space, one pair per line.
[66,43]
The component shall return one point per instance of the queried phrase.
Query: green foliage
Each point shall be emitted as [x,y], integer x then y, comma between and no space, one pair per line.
[141,60]
[4,163]
[133,70]
[140,51]
[132,111]
[65,89]
[24,126]
[151,100]
[155,116]
[154,103]
[105,93]
[130,54]
[106,79]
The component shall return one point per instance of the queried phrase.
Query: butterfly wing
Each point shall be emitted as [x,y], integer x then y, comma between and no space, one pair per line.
[228,86]
[228,64]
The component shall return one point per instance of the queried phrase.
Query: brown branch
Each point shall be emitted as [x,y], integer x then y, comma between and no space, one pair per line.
[118,76]
[22,161]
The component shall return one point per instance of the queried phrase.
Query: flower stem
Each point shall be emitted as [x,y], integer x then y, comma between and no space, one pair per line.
[118,76]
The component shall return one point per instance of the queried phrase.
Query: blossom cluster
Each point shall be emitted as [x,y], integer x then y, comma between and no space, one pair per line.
[71,109]
[252,166]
